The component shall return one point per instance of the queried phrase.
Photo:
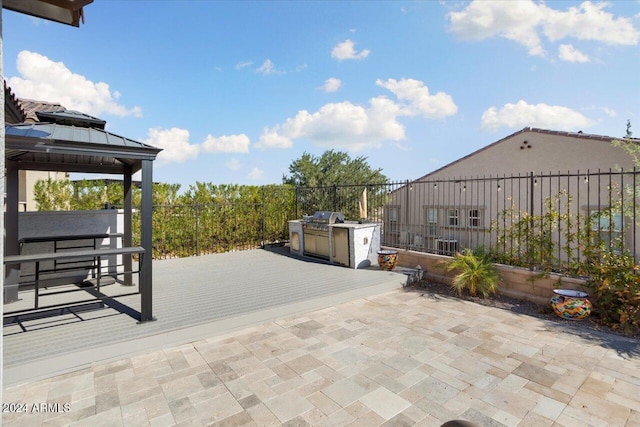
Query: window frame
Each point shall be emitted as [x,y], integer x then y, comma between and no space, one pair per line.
[431,221]
[475,218]
[602,220]
[455,217]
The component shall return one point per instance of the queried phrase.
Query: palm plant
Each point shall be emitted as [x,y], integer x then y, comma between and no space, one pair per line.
[476,273]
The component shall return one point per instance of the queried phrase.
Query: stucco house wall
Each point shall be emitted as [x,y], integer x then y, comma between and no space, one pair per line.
[27,182]
[454,206]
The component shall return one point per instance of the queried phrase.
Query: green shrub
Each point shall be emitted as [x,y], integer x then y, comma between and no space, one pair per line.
[476,273]
[615,285]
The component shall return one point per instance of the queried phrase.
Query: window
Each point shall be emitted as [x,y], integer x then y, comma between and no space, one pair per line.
[432,221]
[607,227]
[453,217]
[474,218]
[393,214]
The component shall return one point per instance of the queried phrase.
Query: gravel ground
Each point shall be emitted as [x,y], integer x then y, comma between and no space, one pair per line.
[590,324]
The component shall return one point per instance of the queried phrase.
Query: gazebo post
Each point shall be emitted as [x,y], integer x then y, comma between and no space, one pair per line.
[128,221]
[12,244]
[146,241]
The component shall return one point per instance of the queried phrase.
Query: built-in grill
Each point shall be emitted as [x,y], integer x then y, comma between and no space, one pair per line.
[315,230]
[322,219]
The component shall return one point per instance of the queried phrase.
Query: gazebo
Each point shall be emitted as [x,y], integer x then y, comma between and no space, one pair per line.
[69,144]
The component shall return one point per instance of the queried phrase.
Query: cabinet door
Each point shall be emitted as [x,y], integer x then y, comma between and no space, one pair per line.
[310,243]
[322,246]
[295,241]
[341,246]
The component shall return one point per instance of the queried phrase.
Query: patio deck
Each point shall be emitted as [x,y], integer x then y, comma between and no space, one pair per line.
[193,298]
[399,358]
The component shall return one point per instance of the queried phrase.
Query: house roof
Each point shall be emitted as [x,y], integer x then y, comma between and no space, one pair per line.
[53,112]
[57,147]
[579,135]
[32,107]
[13,112]
[68,12]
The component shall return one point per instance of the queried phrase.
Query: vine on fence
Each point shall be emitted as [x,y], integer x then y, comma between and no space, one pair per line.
[592,246]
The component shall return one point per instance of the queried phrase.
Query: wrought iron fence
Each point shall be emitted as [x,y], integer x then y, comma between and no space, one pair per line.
[199,229]
[551,221]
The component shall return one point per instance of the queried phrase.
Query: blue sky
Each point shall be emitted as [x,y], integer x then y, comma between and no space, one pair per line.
[235,91]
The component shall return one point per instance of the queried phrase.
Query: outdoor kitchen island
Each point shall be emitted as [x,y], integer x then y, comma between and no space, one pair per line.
[328,236]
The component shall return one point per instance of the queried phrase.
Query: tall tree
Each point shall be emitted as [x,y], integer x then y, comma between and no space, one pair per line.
[332,168]
[343,183]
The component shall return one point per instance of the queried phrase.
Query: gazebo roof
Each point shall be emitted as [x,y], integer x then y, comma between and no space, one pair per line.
[57,147]
[68,12]
[70,117]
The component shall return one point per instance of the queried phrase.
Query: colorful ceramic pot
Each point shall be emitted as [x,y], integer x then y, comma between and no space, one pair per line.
[570,304]
[387,259]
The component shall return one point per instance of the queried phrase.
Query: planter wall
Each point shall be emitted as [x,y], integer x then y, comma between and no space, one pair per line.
[517,282]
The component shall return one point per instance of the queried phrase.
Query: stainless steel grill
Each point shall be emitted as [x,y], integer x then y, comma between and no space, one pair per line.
[315,231]
[322,219]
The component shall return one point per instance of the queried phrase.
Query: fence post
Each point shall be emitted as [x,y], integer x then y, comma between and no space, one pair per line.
[406,216]
[197,229]
[532,184]
[335,198]
[264,218]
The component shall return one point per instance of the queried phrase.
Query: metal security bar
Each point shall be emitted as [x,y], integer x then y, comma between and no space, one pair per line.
[199,229]
[544,221]
[550,221]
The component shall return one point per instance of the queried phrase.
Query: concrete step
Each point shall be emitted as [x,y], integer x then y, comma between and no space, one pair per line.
[413,274]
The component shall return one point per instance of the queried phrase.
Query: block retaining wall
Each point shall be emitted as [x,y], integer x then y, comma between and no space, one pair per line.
[517,282]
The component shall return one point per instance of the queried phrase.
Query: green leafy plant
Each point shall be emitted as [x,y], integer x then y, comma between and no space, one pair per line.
[615,284]
[53,194]
[476,273]
[526,240]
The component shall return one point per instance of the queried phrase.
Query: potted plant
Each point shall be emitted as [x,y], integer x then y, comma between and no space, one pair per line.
[476,273]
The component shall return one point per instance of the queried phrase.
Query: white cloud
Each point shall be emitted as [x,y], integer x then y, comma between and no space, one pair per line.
[526,21]
[346,50]
[589,21]
[567,52]
[512,20]
[270,138]
[338,125]
[545,116]
[608,111]
[177,148]
[267,68]
[233,164]
[332,84]
[243,64]
[418,100]
[356,127]
[46,80]
[256,174]
[175,144]
[226,144]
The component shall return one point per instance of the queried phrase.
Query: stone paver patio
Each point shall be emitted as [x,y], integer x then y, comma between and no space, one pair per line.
[397,358]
